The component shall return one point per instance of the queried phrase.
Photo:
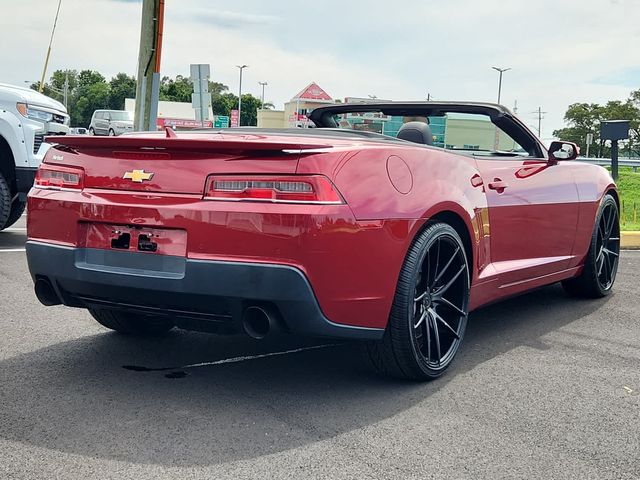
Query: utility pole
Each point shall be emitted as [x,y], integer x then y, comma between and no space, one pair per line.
[428,97]
[46,60]
[149,56]
[539,113]
[264,84]
[241,67]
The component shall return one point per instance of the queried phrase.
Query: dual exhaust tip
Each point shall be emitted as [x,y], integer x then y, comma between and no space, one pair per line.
[257,320]
[45,293]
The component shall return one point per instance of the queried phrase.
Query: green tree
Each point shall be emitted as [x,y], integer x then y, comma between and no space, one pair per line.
[121,86]
[222,104]
[250,106]
[178,90]
[585,118]
[92,93]
[59,76]
[89,77]
[217,89]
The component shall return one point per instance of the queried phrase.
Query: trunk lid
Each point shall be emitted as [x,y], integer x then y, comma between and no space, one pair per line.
[170,163]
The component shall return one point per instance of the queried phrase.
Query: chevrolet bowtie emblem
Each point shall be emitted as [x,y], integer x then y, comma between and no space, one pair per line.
[138,176]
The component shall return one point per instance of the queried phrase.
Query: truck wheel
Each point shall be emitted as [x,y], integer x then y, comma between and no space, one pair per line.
[131,323]
[5,202]
[17,209]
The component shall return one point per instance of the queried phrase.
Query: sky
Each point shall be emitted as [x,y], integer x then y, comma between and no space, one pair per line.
[559,51]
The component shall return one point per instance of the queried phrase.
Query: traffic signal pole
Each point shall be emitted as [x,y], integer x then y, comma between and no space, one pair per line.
[149,56]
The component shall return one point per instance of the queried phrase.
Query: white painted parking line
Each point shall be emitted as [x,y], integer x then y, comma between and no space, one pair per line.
[6,250]
[254,357]
[15,229]
[136,368]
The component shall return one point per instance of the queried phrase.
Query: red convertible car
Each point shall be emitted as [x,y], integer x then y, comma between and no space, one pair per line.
[386,223]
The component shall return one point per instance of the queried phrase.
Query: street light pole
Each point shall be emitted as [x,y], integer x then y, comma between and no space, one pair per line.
[501,71]
[46,60]
[65,95]
[240,67]
[262,98]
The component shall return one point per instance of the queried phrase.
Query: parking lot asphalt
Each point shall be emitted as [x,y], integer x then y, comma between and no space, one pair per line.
[545,386]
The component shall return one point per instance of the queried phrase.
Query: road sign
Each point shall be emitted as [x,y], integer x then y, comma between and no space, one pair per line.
[196,98]
[201,98]
[234,118]
[200,70]
[220,121]
[614,130]
[589,142]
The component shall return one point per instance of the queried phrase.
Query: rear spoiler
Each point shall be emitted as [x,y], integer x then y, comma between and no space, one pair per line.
[213,142]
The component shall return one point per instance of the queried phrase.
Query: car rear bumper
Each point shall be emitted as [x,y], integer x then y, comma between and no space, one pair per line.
[202,294]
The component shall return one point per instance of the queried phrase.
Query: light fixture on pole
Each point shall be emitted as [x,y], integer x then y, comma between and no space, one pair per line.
[264,84]
[501,71]
[240,67]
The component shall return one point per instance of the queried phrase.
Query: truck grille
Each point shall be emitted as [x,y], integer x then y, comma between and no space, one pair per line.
[37,141]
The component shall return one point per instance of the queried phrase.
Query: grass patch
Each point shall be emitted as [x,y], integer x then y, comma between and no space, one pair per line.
[629,187]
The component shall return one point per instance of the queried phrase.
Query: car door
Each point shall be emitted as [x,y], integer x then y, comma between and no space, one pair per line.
[104,123]
[97,124]
[533,215]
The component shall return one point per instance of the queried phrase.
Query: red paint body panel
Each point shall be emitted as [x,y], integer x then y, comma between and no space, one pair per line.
[535,231]
[326,242]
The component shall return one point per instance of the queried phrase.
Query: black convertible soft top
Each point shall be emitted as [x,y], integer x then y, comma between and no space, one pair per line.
[502,117]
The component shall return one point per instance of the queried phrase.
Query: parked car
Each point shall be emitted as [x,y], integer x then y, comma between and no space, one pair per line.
[342,233]
[111,122]
[26,116]
[78,131]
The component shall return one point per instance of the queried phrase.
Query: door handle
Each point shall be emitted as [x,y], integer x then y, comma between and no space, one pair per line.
[498,185]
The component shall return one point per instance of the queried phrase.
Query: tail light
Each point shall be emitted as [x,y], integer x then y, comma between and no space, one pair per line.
[315,189]
[54,177]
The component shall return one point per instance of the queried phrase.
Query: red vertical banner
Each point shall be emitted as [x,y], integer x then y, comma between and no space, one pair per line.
[234,118]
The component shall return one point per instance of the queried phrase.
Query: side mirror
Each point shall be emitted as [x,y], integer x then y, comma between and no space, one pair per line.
[562,151]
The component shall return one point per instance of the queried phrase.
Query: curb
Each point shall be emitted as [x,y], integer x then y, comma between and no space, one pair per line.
[630,240]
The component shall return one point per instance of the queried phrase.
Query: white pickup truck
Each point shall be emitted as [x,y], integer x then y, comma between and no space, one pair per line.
[26,116]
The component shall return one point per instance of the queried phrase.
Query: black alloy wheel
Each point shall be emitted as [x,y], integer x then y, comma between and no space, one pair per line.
[440,302]
[601,262]
[430,308]
[608,246]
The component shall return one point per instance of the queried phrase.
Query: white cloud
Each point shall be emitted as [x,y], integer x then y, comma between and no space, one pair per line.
[559,50]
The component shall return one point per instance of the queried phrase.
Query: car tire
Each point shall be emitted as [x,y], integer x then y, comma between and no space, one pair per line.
[17,209]
[423,322]
[91,131]
[131,323]
[5,202]
[601,263]
[112,133]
